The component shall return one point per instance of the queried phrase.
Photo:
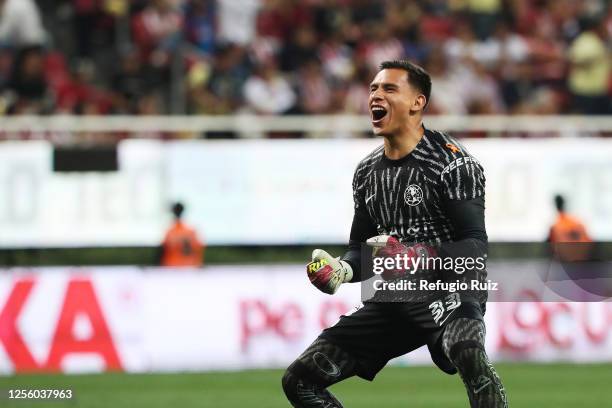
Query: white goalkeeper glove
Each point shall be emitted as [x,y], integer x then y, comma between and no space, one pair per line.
[327,273]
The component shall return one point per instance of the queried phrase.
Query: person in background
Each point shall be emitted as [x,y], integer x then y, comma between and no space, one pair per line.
[27,84]
[567,228]
[181,246]
[590,70]
[268,91]
[571,246]
[21,24]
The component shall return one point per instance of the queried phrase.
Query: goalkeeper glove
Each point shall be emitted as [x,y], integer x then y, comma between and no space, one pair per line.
[327,273]
[386,246]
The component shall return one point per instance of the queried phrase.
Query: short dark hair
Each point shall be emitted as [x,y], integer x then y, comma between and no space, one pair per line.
[417,76]
[177,209]
[560,202]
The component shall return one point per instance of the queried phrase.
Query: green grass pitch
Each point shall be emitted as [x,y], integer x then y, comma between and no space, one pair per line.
[528,385]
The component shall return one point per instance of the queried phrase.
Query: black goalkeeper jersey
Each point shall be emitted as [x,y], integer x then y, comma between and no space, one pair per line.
[408,198]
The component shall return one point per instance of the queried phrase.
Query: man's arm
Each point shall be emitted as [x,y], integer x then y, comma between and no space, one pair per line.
[467,218]
[361,230]
[463,192]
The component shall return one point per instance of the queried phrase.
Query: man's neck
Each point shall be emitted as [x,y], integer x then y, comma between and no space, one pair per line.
[401,144]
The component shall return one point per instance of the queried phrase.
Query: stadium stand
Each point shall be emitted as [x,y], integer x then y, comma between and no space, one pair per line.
[94,57]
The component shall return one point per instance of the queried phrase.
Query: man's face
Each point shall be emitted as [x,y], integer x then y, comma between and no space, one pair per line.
[392,99]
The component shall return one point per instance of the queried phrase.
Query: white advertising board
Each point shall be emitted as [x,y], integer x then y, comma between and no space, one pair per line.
[277,191]
[233,317]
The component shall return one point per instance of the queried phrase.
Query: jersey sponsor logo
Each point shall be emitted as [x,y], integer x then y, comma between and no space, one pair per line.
[413,195]
[452,147]
[325,364]
[461,161]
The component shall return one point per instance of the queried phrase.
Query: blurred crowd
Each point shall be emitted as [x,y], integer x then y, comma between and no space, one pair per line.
[148,57]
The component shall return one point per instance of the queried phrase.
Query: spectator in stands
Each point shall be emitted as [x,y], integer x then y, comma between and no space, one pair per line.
[21,24]
[181,246]
[511,65]
[358,90]
[484,15]
[92,27]
[331,17]
[150,104]
[128,82]
[546,54]
[366,11]
[157,34]
[590,70]
[449,96]
[267,91]
[532,53]
[402,17]
[236,20]
[302,47]
[219,90]
[378,45]
[80,90]
[200,25]
[483,92]
[336,57]
[27,82]
[6,66]
[542,100]
[277,19]
[313,89]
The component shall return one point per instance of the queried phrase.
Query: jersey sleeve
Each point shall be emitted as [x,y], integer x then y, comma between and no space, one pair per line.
[463,179]
[358,194]
[361,229]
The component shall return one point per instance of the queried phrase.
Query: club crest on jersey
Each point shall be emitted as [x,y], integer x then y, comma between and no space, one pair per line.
[413,195]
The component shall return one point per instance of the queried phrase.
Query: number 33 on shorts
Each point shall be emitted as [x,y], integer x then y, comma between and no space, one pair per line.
[442,309]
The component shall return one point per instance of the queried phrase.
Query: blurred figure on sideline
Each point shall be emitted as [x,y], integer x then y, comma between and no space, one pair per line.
[567,228]
[181,245]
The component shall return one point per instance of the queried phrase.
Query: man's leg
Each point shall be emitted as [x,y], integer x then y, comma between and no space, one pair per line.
[360,344]
[463,343]
[322,364]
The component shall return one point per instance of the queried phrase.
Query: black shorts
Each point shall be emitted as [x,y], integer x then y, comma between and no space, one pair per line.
[379,332]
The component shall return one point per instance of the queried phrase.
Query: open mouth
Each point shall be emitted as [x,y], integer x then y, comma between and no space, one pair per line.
[378,112]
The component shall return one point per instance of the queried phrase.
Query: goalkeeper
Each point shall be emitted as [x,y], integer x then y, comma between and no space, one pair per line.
[419,194]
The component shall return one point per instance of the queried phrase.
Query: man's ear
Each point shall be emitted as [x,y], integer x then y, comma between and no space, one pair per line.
[419,102]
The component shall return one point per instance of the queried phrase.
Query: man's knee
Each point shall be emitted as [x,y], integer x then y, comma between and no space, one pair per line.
[324,363]
[320,365]
[296,376]
[289,383]
[303,392]
[286,380]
